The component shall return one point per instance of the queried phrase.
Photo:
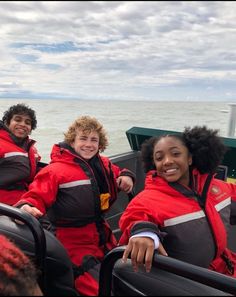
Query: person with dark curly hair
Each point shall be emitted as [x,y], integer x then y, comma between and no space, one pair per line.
[76,190]
[18,154]
[184,211]
[18,275]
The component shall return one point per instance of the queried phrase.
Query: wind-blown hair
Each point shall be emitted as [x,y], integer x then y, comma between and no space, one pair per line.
[204,144]
[22,109]
[87,124]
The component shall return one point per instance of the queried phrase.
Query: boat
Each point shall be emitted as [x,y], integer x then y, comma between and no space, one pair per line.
[168,276]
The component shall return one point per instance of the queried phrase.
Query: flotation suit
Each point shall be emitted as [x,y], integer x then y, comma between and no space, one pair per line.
[18,166]
[191,229]
[68,190]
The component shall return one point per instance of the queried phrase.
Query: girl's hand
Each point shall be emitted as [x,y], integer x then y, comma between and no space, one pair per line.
[141,250]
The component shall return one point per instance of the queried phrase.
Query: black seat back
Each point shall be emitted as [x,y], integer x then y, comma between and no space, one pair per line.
[168,277]
[50,257]
[156,283]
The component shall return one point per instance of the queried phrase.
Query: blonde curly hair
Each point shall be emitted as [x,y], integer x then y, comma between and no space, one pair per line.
[87,124]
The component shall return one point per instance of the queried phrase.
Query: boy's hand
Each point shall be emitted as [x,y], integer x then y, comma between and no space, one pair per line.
[125,183]
[32,210]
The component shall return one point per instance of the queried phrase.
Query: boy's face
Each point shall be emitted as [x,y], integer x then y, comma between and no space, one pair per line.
[86,144]
[20,125]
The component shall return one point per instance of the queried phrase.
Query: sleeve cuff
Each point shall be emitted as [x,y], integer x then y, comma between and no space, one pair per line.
[147,227]
[151,235]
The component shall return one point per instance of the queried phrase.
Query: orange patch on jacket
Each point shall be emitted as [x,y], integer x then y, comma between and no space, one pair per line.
[104,198]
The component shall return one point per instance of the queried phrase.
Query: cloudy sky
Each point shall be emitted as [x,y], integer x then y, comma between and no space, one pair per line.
[124,50]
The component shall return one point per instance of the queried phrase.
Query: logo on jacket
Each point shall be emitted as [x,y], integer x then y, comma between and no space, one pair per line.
[215,190]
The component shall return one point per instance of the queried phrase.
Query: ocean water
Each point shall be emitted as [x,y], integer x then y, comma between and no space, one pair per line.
[55,116]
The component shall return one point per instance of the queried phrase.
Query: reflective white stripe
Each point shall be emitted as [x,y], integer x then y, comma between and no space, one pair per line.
[195,215]
[75,183]
[12,154]
[184,218]
[223,204]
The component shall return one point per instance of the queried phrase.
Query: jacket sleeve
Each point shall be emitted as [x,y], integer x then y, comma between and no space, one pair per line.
[122,172]
[136,218]
[42,191]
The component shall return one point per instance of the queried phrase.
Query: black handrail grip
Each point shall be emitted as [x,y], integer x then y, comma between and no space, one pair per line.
[195,273]
[37,231]
[202,275]
[105,276]
[131,195]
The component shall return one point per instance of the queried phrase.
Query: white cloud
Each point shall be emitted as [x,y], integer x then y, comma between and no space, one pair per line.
[119,49]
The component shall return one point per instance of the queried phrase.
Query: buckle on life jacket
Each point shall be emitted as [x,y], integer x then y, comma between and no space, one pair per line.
[88,263]
[229,264]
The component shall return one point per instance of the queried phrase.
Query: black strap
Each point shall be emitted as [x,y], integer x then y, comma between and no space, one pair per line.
[88,263]
[97,204]
[66,223]
[99,173]
[203,196]
[19,187]
[131,195]
[229,263]
[191,193]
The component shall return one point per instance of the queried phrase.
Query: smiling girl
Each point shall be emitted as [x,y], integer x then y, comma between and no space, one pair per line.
[184,211]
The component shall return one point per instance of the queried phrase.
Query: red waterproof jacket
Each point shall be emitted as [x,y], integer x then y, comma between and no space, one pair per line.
[17,166]
[68,190]
[189,232]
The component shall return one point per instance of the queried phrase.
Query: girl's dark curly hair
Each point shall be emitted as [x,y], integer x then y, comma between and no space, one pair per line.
[205,146]
[147,148]
[22,109]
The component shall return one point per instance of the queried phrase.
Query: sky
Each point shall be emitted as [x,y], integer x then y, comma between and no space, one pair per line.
[118,50]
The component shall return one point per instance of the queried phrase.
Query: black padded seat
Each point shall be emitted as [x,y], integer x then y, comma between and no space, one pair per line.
[168,277]
[156,283]
[58,274]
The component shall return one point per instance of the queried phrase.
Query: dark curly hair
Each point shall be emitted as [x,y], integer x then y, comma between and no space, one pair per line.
[22,109]
[147,148]
[206,147]
[204,144]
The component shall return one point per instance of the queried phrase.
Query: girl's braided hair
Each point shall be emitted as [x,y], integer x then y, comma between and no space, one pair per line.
[18,276]
[204,144]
